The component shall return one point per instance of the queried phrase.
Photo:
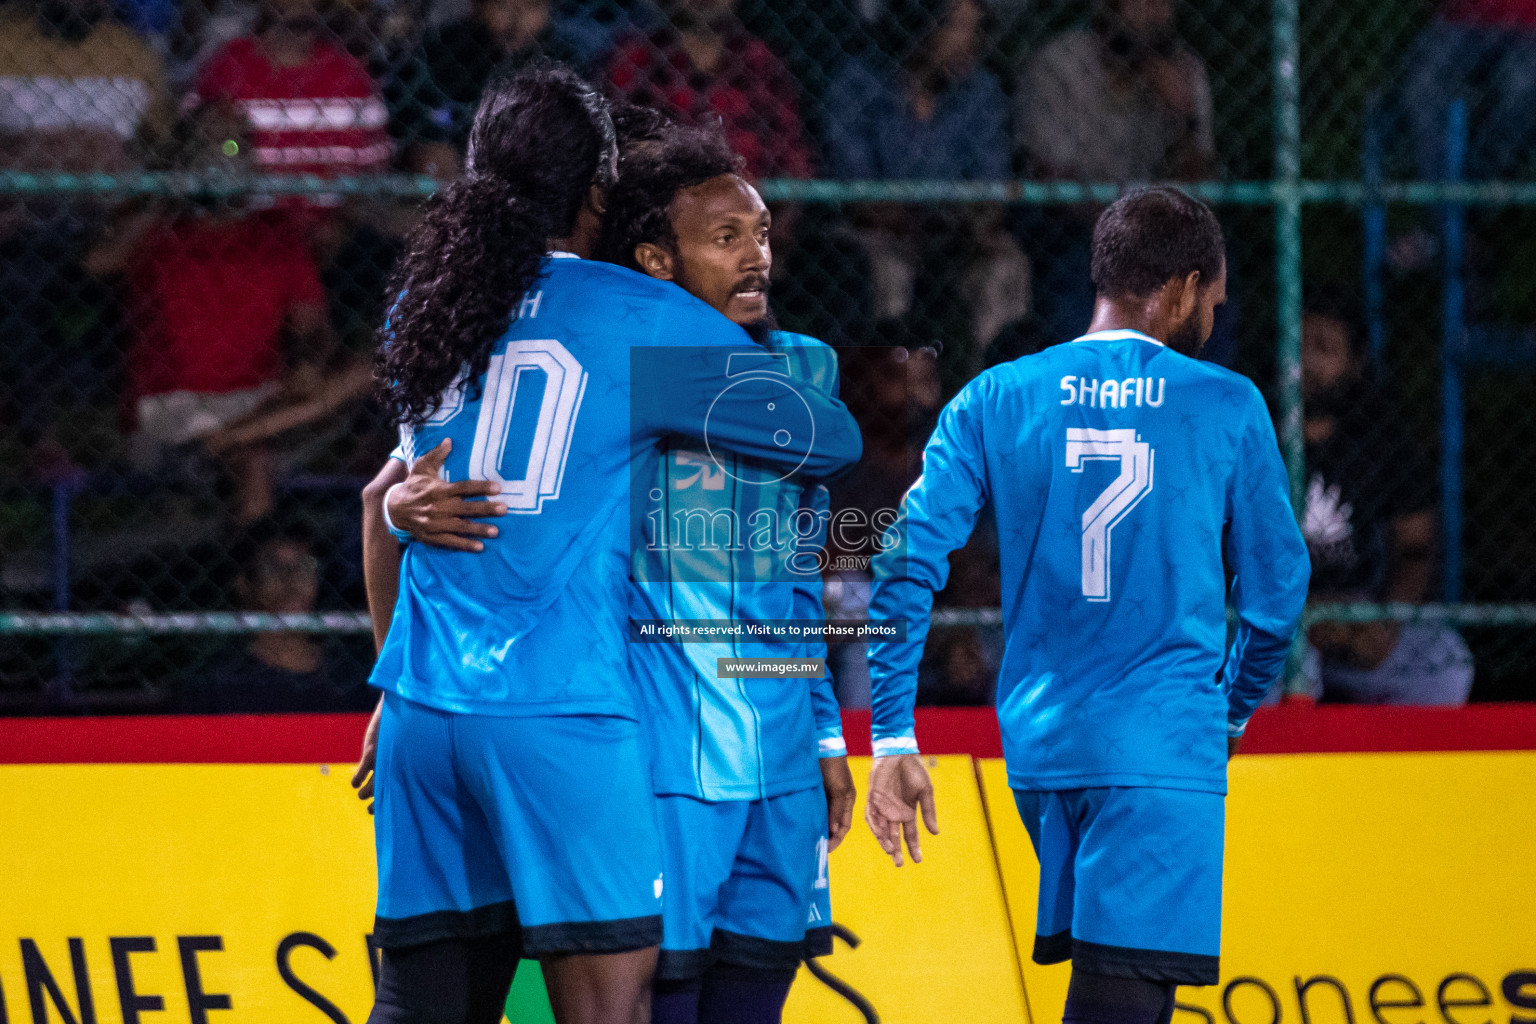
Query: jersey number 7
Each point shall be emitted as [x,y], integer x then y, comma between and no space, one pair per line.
[1115,502]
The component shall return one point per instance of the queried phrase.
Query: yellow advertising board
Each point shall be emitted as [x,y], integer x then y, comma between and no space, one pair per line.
[1361,889]
[934,944]
[150,894]
[1385,888]
[243,894]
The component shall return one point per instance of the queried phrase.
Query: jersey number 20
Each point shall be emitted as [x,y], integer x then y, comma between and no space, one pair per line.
[564,384]
[1115,502]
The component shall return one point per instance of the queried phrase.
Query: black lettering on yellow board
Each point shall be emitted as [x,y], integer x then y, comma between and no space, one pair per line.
[1302,987]
[41,980]
[198,1001]
[1484,997]
[374,955]
[1270,994]
[285,971]
[1514,987]
[1210,1018]
[128,998]
[1378,1004]
[838,985]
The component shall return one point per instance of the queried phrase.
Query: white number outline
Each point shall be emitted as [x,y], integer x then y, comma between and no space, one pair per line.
[1116,501]
[564,387]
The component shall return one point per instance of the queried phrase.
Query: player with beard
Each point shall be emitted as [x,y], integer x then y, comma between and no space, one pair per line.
[751,774]
[506,674]
[1119,699]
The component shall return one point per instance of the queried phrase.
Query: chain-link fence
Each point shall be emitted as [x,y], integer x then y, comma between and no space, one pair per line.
[200,201]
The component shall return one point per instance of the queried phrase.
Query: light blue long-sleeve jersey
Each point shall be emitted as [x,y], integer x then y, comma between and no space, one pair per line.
[600,367]
[1127,480]
[725,538]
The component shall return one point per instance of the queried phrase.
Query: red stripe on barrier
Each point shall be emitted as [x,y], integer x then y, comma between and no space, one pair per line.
[1288,729]
[971,731]
[1303,728]
[183,739]
[290,739]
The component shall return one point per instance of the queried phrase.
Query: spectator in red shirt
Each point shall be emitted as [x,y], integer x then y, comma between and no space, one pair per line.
[311,106]
[212,293]
[705,63]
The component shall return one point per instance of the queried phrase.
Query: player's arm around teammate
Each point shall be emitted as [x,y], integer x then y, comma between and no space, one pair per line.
[464,892]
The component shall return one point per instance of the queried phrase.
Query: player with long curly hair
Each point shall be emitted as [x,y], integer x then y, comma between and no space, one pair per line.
[512,791]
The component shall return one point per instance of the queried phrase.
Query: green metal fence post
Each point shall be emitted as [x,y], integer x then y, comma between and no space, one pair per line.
[1288,268]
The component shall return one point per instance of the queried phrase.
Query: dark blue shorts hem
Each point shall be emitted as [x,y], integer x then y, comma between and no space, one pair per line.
[420,929]
[1126,962]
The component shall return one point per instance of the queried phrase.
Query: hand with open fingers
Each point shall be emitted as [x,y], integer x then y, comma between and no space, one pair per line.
[837,780]
[363,778]
[898,786]
[443,514]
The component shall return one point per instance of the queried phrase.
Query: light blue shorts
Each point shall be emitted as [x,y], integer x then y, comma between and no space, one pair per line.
[486,824]
[746,882]
[1130,880]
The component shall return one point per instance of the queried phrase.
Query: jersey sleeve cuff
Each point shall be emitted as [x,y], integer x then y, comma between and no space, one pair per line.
[389,523]
[895,746]
[831,746]
[1235,729]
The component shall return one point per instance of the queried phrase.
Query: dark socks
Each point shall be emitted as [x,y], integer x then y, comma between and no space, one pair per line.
[455,981]
[743,995]
[676,1002]
[1102,999]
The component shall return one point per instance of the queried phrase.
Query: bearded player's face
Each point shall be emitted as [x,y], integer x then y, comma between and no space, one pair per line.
[1190,336]
[723,256]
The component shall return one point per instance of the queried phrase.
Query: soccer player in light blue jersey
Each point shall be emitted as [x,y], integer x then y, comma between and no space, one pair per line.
[1129,482]
[751,774]
[513,799]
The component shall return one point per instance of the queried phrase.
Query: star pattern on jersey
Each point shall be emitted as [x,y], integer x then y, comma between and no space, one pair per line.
[635,307]
[1035,640]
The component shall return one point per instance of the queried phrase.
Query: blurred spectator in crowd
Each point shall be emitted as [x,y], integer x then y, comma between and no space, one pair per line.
[704,63]
[1482,51]
[150,19]
[311,107]
[593,27]
[813,37]
[897,404]
[437,91]
[926,109]
[212,291]
[78,92]
[1122,100]
[277,671]
[76,89]
[954,670]
[961,663]
[1370,524]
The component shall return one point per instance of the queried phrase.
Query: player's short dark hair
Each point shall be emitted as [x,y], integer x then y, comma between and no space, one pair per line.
[1150,236]
[653,169]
